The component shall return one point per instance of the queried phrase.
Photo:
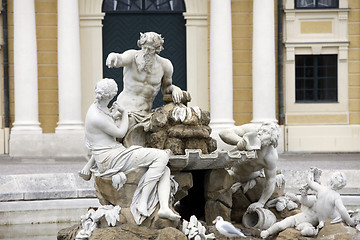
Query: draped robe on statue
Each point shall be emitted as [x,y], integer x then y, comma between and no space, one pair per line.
[111,160]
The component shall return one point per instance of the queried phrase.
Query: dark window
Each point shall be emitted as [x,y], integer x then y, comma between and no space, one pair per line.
[316,78]
[143,5]
[316,4]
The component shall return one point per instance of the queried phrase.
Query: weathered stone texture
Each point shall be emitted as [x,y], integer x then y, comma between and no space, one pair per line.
[185,181]
[337,231]
[175,145]
[107,194]
[157,139]
[214,209]
[190,131]
[218,195]
[133,232]
[68,233]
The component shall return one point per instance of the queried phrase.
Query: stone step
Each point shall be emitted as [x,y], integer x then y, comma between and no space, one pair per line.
[45,211]
[44,186]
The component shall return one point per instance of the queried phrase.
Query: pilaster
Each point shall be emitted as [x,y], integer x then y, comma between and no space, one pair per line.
[196,17]
[91,49]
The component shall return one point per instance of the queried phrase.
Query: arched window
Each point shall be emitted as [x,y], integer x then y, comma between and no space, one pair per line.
[143,5]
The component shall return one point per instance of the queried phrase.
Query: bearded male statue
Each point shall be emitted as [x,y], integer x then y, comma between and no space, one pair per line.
[145,73]
[263,139]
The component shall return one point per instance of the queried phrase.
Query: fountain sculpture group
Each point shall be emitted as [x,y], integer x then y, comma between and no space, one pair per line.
[144,160]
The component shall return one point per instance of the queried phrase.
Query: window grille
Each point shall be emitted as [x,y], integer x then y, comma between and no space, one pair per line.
[316,78]
[316,4]
[143,6]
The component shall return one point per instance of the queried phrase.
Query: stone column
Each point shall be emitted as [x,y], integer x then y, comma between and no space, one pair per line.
[26,134]
[91,49]
[221,73]
[25,69]
[70,130]
[196,16]
[69,68]
[263,61]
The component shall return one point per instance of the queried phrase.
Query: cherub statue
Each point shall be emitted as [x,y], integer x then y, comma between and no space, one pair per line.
[111,158]
[260,138]
[303,221]
[327,204]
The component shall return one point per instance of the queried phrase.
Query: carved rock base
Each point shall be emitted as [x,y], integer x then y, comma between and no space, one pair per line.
[125,232]
[218,195]
[108,195]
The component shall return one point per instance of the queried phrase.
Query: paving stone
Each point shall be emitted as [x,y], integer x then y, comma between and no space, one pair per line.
[47,186]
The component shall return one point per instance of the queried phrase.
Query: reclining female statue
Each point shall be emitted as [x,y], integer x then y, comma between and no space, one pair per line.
[112,159]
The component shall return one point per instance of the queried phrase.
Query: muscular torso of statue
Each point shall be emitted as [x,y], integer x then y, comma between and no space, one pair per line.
[266,158]
[141,87]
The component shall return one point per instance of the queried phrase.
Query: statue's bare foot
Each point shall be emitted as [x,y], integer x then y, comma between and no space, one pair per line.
[169,214]
[86,175]
[142,209]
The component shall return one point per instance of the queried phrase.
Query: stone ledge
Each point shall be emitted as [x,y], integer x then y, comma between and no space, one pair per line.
[44,186]
[193,159]
[45,211]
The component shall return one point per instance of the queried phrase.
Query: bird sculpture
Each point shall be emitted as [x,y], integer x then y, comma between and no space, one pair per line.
[227,229]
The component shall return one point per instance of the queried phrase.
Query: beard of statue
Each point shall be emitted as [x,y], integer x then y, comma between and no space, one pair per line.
[144,61]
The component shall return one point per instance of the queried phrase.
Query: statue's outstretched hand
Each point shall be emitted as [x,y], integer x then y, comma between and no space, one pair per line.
[111,60]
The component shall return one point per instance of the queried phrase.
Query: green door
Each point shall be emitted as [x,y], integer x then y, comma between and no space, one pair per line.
[123,22]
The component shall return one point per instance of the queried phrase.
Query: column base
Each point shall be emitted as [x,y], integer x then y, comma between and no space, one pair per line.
[216,127]
[26,127]
[262,120]
[69,126]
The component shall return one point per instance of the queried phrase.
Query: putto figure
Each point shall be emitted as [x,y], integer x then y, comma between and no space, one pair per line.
[315,211]
[145,73]
[263,139]
[111,159]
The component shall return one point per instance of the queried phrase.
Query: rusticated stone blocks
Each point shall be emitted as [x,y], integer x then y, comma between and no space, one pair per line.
[218,195]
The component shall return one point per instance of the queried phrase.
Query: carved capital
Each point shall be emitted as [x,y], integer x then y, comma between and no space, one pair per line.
[90,7]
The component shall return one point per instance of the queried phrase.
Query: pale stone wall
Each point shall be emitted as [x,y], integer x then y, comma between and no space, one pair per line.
[46,33]
[354,62]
